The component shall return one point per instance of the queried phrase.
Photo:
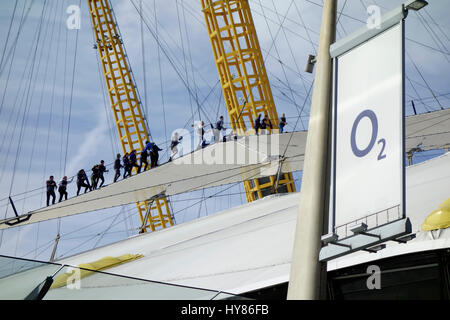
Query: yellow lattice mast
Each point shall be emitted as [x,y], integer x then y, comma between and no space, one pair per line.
[130,122]
[244,79]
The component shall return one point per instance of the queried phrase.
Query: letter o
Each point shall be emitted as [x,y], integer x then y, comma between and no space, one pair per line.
[373,118]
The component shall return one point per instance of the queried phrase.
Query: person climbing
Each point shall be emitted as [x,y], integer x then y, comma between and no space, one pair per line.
[148,146]
[117,166]
[173,145]
[218,129]
[82,181]
[101,171]
[199,131]
[154,155]
[62,188]
[265,124]
[257,123]
[143,160]
[95,176]
[126,165]
[51,186]
[283,123]
[133,161]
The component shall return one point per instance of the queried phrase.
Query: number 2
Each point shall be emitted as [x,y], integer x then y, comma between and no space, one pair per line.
[382,156]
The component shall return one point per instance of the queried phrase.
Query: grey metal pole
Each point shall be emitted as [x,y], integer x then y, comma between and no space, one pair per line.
[52,257]
[307,273]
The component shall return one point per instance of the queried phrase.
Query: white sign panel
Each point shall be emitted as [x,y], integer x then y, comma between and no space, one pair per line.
[368,130]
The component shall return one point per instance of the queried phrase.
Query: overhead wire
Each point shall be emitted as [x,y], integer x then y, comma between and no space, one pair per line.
[161,79]
[436,39]
[26,108]
[71,94]
[21,24]
[183,50]
[9,32]
[273,45]
[170,58]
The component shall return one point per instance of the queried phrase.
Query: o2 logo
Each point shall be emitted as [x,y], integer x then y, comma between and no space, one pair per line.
[360,153]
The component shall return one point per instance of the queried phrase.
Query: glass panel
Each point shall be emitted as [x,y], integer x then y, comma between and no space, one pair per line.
[19,277]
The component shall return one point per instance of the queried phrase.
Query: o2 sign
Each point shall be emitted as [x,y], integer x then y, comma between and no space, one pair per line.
[368,174]
[360,153]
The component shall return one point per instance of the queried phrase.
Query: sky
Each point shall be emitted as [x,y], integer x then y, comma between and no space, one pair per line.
[55,118]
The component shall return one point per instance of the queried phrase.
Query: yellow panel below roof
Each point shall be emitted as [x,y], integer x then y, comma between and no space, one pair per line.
[445,204]
[438,219]
[102,264]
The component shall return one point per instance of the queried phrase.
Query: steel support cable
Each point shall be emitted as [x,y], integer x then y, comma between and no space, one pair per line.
[26,97]
[439,94]
[282,86]
[285,65]
[63,104]
[296,123]
[144,112]
[41,99]
[176,44]
[183,50]
[63,236]
[71,94]
[428,108]
[339,23]
[194,12]
[219,192]
[437,25]
[91,224]
[127,230]
[52,101]
[284,97]
[422,10]
[273,45]
[144,67]
[364,22]
[9,32]
[170,59]
[300,24]
[426,83]
[10,133]
[37,121]
[306,29]
[108,228]
[255,11]
[22,22]
[89,240]
[444,95]
[161,80]
[35,135]
[113,135]
[193,74]
[280,25]
[13,48]
[26,107]
[290,49]
[434,36]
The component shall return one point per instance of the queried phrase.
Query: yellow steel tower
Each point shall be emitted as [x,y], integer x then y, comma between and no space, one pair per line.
[130,122]
[243,78]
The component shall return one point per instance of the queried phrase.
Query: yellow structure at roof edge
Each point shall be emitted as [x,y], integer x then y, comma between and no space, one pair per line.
[102,264]
[438,219]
